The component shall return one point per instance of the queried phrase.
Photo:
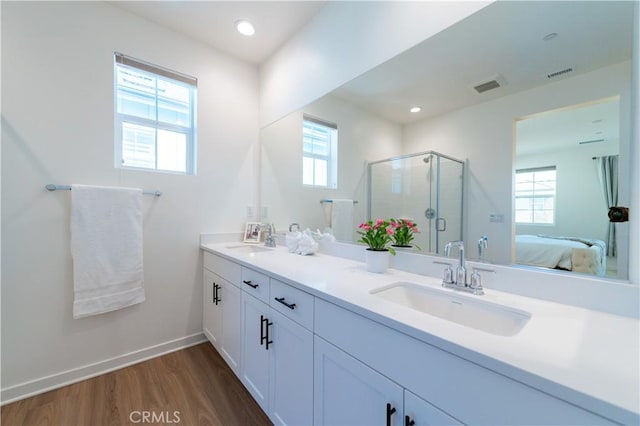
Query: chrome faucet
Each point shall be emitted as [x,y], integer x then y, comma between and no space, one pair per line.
[458,281]
[460,278]
[270,239]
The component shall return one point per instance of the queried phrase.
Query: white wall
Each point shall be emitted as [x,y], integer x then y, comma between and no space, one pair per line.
[345,40]
[57,127]
[361,135]
[484,135]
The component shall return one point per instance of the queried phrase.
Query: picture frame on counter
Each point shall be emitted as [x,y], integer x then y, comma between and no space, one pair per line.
[252,232]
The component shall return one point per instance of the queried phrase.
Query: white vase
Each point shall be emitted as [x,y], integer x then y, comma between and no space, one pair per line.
[377,260]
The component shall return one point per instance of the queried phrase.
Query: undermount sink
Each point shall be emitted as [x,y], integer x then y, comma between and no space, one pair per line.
[481,315]
[248,248]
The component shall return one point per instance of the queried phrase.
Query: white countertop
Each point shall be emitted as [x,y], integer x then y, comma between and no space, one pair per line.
[585,357]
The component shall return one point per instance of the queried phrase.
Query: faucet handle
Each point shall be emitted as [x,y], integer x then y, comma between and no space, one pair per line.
[476,282]
[448,275]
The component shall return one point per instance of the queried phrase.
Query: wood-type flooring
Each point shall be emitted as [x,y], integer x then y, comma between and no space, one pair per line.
[193,386]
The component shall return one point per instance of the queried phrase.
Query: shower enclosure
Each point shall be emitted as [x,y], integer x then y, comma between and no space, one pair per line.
[426,187]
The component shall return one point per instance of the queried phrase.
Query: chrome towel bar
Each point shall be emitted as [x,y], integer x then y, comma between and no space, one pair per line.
[52,187]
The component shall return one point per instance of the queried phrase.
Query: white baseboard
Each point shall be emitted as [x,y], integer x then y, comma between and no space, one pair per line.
[54,381]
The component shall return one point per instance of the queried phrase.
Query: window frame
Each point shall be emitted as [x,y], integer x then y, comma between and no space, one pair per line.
[331,157]
[534,196]
[190,130]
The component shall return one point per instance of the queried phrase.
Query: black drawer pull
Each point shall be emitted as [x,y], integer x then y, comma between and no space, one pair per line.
[250,284]
[408,421]
[390,411]
[288,305]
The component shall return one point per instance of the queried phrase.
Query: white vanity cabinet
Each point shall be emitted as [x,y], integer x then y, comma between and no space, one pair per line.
[347,392]
[306,361]
[277,351]
[458,388]
[221,307]
[256,343]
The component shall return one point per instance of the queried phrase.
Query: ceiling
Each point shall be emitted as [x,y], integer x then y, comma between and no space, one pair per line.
[213,22]
[597,124]
[503,39]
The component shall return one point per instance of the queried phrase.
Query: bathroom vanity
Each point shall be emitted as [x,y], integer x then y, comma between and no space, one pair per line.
[318,340]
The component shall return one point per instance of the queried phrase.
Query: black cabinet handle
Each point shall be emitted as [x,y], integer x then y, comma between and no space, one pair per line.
[264,331]
[408,421]
[250,284]
[288,305]
[390,411]
[216,299]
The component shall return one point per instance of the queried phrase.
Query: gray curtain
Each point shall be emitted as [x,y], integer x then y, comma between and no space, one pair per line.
[608,174]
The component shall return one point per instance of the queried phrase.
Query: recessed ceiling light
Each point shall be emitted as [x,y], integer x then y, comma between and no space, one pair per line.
[550,36]
[245,27]
[415,109]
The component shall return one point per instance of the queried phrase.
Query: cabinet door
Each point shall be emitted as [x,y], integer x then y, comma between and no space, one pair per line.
[347,392]
[291,372]
[229,303]
[211,313]
[255,356]
[419,412]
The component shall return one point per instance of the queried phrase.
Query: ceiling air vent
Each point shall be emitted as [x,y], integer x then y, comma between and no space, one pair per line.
[559,73]
[481,88]
[492,83]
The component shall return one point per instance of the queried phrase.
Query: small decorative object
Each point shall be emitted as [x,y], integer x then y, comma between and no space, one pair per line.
[252,231]
[377,235]
[404,230]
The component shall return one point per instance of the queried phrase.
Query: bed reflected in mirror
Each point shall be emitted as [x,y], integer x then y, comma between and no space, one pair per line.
[566,178]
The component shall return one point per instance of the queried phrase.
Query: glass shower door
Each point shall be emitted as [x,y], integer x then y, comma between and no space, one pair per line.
[426,188]
[448,223]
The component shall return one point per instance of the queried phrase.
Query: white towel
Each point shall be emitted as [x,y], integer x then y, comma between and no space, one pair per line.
[106,246]
[342,219]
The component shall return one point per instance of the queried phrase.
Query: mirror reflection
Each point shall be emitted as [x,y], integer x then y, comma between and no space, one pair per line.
[476,83]
[566,178]
[426,188]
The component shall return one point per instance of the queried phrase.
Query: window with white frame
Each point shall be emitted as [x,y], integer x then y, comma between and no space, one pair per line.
[535,196]
[319,153]
[155,117]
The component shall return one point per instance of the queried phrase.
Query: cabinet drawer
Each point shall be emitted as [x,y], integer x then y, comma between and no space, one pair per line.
[256,284]
[442,378]
[227,269]
[293,303]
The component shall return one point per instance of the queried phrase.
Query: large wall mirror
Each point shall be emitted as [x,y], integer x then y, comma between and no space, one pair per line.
[508,87]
